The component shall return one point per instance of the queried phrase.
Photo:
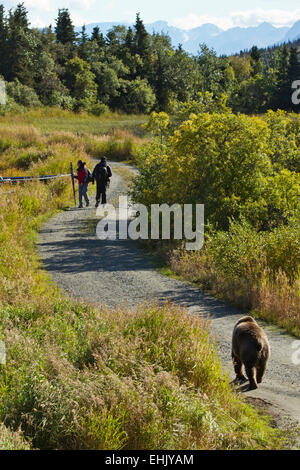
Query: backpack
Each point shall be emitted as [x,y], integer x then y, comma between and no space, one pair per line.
[102,175]
[89,176]
[82,175]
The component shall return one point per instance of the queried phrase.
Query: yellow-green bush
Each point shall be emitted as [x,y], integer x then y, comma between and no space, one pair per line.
[245,170]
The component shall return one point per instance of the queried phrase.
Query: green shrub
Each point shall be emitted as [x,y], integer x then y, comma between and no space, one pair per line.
[282,249]
[98,109]
[22,94]
[284,139]
[61,100]
[25,158]
[11,107]
[138,97]
[239,251]
[220,160]
[244,170]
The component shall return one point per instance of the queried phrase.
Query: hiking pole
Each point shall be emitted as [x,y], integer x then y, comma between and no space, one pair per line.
[73,183]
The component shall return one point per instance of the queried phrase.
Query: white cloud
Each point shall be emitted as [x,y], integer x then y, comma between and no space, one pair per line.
[40,10]
[246,18]
[79,4]
[193,21]
[276,17]
[39,4]
[129,16]
[50,5]
[78,20]
[37,23]
[42,5]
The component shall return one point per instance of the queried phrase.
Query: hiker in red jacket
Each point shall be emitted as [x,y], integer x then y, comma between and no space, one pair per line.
[83,181]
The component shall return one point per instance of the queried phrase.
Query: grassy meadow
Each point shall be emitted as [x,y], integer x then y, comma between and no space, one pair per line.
[45,142]
[49,120]
[84,377]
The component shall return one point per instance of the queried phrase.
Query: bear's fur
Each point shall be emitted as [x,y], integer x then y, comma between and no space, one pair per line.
[250,349]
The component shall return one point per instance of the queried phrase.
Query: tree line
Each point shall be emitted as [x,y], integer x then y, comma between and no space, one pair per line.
[133,71]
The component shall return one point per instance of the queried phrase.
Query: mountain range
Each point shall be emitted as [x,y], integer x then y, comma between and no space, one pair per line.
[227,42]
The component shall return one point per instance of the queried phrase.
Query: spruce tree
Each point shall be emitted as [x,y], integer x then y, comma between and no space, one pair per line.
[255,54]
[129,41]
[161,84]
[283,98]
[20,47]
[98,37]
[112,41]
[141,38]
[256,61]
[3,42]
[294,65]
[64,27]
[83,42]
[49,39]
[95,34]
[84,36]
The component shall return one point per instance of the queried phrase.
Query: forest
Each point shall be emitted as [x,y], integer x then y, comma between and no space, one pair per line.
[132,71]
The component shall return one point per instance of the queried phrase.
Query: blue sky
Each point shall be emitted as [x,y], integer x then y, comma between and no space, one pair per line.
[185,14]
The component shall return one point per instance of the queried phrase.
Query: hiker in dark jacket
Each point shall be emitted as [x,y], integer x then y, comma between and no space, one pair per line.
[102,174]
[83,181]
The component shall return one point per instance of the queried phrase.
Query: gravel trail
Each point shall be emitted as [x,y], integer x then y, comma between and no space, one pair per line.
[119,273]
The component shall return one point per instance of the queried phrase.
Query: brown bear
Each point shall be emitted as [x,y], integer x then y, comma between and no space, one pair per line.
[251,349]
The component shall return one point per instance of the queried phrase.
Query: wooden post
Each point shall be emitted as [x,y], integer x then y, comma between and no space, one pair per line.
[73,183]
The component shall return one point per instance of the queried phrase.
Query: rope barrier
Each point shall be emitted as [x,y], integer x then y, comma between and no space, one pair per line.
[23,179]
[17,179]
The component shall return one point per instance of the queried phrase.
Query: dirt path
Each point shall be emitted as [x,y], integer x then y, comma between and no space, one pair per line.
[118,273]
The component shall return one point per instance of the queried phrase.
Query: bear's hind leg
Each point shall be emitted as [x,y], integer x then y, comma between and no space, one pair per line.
[238,369]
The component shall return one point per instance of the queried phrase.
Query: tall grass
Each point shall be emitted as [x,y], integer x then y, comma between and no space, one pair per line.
[25,148]
[84,377]
[118,146]
[56,120]
[10,440]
